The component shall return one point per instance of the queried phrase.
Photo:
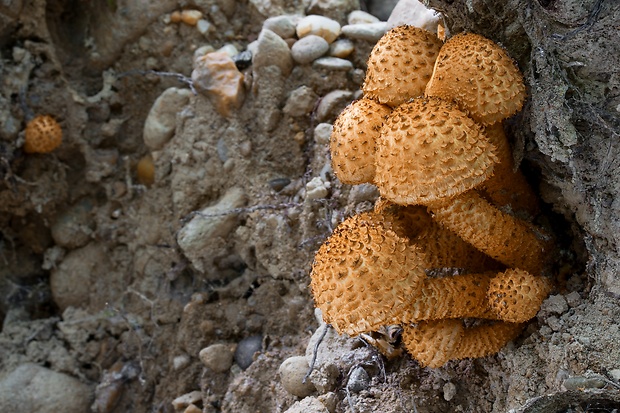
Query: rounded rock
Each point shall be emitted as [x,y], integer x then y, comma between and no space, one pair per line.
[272,50]
[160,123]
[292,372]
[361,17]
[283,26]
[341,48]
[317,25]
[301,101]
[332,63]
[358,380]
[371,32]
[309,48]
[216,76]
[244,354]
[73,228]
[217,357]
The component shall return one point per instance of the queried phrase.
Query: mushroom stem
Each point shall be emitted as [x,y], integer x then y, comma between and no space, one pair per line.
[507,187]
[434,343]
[509,240]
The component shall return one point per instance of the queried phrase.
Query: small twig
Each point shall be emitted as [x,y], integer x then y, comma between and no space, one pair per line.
[315,351]
[180,77]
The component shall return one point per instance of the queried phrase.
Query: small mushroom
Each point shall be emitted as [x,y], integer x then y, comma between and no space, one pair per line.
[400,65]
[479,75]
[516,296]
[43,135]
[352,141]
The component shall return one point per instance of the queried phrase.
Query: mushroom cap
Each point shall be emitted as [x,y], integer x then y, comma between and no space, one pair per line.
[364,275]
[43,135]
[400,65]
[516,295]
[429,150]
[352,142]
[480,76]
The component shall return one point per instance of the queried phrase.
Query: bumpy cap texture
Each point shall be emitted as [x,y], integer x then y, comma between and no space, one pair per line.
[480,76]
[430,150]
[364,275]
[516,295]
[352,142]
[43,135]
[400,65]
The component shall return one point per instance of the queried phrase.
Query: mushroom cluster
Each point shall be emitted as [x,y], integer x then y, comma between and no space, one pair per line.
[428,133]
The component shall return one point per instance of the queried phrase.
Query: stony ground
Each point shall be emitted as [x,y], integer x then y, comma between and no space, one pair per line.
[167,270]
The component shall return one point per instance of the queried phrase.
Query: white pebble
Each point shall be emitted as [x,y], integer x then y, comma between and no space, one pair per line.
[341,48]
[309,48]
[332,63]
[317,188]
[322,26]
[180,362]
[283,26]
[217,357]
[413,13]
[204,27]
[449,391]
[361,17]
[370,32]
[229,49]
[292,372]
[272,50]
[322,132]
[160,123]
[185,400]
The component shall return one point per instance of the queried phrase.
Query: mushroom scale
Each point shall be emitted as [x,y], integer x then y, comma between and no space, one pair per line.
[352,141]
[400,65]
[430,150]
[480,76]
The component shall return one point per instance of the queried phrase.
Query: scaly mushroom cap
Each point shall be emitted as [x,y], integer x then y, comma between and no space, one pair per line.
[352,142]
[364,275]
[480,76]
[430,150]
[400,65]
[516,295]
[43,135]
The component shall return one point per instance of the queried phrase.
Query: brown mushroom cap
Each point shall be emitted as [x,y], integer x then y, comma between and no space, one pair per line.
[43,135]
[364,275]
[430,150]
[516,295]
[352,142]
[480,76]
[400,65]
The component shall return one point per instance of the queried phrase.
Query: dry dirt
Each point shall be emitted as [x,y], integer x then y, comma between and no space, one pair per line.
[93,280]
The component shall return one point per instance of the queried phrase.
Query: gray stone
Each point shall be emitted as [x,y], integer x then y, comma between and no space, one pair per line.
[555,304]
[370,32]
[332,104]
[381,8]
[301,101]
[74,226]
[272,50]
[212,222]
[358,380]
[283,26]
[322,133]
[309,48]
[246,349]
[413,13]
[217,357]
[332,63]
[160,123]
[308,405]
[292,372]
[35,389]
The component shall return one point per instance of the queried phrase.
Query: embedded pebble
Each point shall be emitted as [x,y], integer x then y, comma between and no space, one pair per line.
[187,399]
[36,389]
[161,121]
[332,104]
[283,26]
[449,391]
[554,304]
[332,63]
[244,354]
[180,362]
[216,76]
[317,25]
[204,27]
[322,133]
[573,299]
[363,193]
[292,372]
[358,380]
[279,184]
[317,188]
[370,32]
[272,50]
[361,17]
[195,237]
[309,48]
[191,17]
[217,357]
[301,101]
[580,382]
[73,227]
[308,405]
[413,13]
[229,49]
[615,374]
[341,48]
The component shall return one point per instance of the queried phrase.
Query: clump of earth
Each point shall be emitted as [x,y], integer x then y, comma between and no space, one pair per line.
[159,259]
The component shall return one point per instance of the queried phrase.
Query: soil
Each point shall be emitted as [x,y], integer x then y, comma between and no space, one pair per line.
[95,282]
